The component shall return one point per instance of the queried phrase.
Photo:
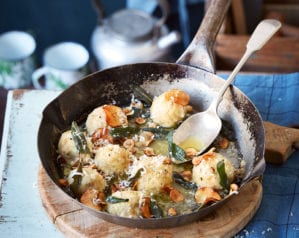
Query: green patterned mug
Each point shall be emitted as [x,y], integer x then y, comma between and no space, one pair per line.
[64,64]
[16,59]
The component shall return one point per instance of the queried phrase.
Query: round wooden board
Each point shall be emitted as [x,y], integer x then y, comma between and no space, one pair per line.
[73,221]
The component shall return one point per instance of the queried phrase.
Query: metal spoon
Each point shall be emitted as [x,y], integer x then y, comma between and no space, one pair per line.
[204,127]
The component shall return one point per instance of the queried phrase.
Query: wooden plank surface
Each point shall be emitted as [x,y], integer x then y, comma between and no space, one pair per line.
[73,221]
[239,17]
[21,211]
[280,54]
[281,142]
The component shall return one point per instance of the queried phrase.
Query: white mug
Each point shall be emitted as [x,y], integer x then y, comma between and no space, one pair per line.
[63,64]
[16,59]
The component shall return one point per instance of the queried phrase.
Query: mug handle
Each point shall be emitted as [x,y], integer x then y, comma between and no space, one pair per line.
[36,76]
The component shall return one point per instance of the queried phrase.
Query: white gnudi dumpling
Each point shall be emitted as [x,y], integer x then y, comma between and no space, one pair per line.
[106,115]
[95,120]
[112,159]
[126,209]
[156,174]
[205,173]
[67,148]
[170,108]
[91,178]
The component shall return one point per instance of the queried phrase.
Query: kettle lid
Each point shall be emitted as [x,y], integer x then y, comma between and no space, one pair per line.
[131,25]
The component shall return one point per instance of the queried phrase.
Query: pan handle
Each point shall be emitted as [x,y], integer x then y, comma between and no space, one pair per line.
[200,51]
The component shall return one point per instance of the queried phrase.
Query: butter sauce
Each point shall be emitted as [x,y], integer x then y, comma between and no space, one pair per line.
[192,142]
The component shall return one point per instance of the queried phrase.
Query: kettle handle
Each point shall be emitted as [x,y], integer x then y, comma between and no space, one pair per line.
[164,5]
[98,6]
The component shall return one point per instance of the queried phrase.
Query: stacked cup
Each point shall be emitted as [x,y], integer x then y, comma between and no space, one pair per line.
[63,63]
[16,59]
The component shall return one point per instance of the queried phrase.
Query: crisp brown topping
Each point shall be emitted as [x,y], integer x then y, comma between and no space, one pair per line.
[145,207]
[167,160]
[63,182]
[206,195]
[190,152]
[224,143]
[149,151]
[93,198]
[140,120]
[178,96]
[176,195]
[187,175]
[172,212]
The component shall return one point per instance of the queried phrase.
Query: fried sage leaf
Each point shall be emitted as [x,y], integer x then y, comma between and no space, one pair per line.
[113,199]
[138,112]
[79,138]
[156,211]
[175,151]
[77,179]
[222,174]
[141,94]
[135,177]
[179,179]
[122,132]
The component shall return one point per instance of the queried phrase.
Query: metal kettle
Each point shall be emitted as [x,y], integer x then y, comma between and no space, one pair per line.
[131,36]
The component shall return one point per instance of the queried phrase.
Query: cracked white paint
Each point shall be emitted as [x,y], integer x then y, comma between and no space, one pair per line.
[21,211]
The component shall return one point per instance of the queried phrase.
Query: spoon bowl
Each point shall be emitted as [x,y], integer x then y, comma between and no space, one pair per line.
[203,127]
[208,125]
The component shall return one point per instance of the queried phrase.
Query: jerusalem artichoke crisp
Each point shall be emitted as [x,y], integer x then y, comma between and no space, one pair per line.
[122,160]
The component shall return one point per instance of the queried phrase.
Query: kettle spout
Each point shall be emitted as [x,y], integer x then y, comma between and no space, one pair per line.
[169,39]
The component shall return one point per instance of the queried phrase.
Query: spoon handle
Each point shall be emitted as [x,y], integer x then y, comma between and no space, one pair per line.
[262,33]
